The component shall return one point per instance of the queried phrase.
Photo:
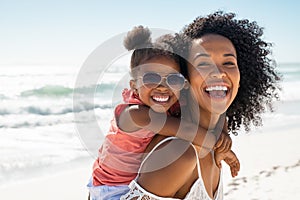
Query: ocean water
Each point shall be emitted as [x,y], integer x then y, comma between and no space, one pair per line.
[37,124]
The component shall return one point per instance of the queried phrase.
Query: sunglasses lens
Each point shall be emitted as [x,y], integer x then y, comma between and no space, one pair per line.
[151,80]
[176,81]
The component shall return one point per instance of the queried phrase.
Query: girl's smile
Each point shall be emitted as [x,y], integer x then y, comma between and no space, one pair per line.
[159,97]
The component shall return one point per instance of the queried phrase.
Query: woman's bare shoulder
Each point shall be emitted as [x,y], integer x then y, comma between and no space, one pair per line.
[156,139]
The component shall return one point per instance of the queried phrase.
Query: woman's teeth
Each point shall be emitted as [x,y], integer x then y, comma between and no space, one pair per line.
[211,88]
[217,91]
[161,98]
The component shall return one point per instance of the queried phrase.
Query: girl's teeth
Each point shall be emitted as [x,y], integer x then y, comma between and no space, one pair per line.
[160,98]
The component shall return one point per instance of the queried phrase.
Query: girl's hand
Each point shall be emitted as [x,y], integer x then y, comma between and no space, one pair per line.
[231,160]
[223,144]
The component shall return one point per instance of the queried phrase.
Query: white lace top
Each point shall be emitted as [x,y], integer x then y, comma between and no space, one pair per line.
[197,191]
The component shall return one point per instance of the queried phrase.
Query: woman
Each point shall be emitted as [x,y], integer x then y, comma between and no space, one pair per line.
[230,74]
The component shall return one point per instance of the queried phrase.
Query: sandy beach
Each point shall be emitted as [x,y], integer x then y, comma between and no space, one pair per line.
[270,169]
[65,184]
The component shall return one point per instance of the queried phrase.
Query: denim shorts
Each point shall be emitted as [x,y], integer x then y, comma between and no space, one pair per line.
[105,192]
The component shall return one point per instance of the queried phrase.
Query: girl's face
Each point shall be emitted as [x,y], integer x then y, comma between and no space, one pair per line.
[159,97]
[214,73]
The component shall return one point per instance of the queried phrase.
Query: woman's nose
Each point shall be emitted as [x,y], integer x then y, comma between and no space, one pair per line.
[218,72]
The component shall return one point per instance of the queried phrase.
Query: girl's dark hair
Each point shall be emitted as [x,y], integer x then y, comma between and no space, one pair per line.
[139,40]
[259,80]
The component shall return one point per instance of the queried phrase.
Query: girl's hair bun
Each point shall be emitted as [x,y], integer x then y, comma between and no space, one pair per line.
[138,37]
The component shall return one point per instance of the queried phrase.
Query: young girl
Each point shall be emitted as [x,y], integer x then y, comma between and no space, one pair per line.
[230,74]
[150,106]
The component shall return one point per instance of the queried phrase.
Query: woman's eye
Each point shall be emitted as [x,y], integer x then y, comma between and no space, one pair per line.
[229,64]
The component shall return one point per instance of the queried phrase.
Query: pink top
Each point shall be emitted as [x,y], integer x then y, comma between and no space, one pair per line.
[121,154]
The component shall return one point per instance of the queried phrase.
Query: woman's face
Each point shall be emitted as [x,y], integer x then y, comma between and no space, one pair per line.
[213,72]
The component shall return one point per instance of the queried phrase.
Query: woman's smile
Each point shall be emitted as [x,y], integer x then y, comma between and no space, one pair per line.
[217,91]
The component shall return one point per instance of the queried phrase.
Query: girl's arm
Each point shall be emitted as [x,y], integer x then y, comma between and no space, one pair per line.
[231,159]
[138,116]
[224,141]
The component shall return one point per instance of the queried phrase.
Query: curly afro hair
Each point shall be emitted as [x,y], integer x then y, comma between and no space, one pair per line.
[259,80]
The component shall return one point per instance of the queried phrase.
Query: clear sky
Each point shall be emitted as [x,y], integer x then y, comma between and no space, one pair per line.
[67,31]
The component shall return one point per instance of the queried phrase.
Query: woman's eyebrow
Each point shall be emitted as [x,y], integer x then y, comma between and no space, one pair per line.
[229,54]
[200,54]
